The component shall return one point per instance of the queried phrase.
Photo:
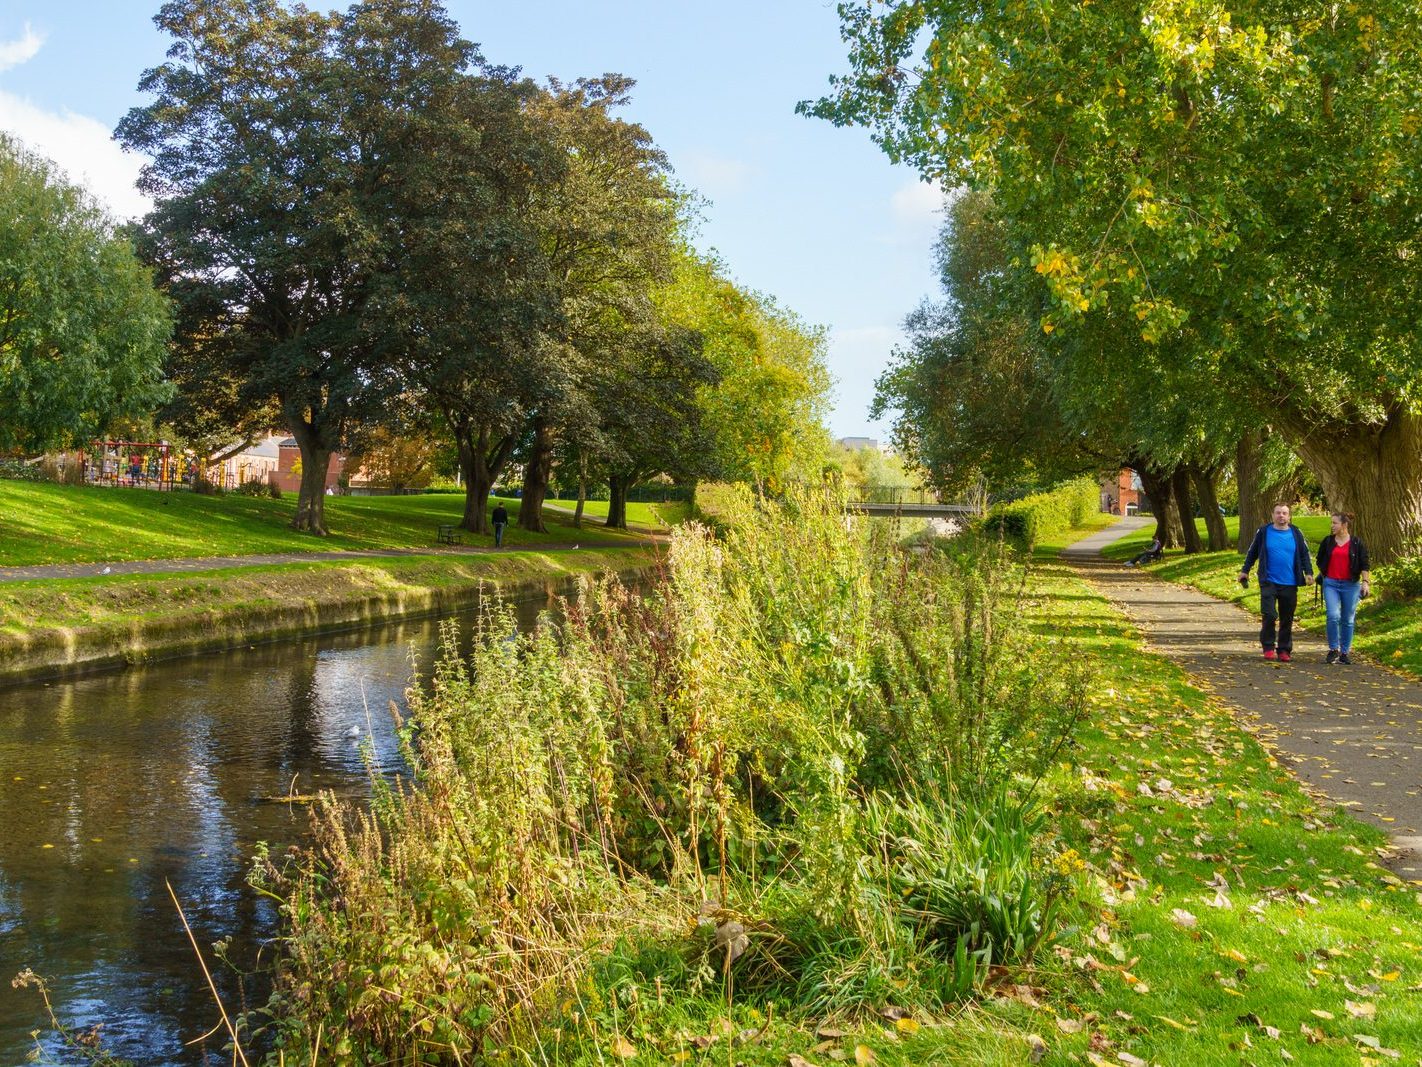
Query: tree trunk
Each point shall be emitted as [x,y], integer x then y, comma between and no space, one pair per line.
[535,477]
[480,465]
[1204,479]
[1376,473]
[1180,485]
[315,462]
[582,491]
[1248,475]
[1157,491]
[617,502]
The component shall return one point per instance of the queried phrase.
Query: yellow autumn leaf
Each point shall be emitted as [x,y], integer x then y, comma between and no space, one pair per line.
[907,1025]
[1237,956]
[864,1055]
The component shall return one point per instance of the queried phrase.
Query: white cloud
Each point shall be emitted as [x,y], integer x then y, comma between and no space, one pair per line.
[13,53]
[83,148]
[713,175]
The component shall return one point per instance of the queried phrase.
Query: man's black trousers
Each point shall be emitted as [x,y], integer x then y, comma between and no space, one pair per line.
[1278,602]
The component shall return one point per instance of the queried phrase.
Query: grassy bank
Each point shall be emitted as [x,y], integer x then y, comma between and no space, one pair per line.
[1389,630]
[650,516]
[64,625]
[43,523]
[1208,911]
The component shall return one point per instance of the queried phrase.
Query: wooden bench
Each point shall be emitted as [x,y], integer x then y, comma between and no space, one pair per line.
[448,534]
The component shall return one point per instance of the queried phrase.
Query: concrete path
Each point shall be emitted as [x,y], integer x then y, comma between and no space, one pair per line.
[1352,734]
[212,563]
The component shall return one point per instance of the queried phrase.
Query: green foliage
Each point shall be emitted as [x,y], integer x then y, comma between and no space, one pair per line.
[766,412]
[1036,518]
[1402,579]
[83,332]
[968,875]
[676,786]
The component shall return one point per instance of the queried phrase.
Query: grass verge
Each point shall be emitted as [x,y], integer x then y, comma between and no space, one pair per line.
[42,523]
[57,625]
[1389,630]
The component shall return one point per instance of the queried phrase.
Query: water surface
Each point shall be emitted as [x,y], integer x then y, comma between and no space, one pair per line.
[113,783]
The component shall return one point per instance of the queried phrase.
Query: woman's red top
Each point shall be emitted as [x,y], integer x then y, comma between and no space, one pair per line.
[1338,564]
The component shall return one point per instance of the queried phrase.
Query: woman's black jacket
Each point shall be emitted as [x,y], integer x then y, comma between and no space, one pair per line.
[1357,556]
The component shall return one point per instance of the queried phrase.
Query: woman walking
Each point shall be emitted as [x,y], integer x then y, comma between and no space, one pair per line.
[1343,563]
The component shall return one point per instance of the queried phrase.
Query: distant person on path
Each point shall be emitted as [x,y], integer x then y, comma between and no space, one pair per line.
[1284,565]
[501,519]
[1343,567]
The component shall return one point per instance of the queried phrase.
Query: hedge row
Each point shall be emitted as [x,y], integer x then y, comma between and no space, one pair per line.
[1043,515]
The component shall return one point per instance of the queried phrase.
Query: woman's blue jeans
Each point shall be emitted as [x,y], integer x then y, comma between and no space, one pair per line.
[1340,598]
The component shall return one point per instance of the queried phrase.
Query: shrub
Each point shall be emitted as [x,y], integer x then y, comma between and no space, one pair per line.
[274,490]
[1402,580]
[252,488]
[1043,515]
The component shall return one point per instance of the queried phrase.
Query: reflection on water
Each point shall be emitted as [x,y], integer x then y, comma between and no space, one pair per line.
[111,784]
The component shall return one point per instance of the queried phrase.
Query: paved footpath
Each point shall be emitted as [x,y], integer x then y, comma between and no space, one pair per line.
[212,563]
[1352,734]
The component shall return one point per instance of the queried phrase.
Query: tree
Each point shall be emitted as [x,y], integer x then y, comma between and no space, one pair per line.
[465,295]
[608,233]
[83,331]
[1236,176]
[272,135]
[765,413]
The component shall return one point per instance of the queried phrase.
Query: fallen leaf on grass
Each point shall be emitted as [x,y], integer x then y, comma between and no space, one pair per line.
[1320,1013]
[906,1025]
[623,1048]
[1069,1026]
[1183,918]
[1037,1047]
[1364,1010]
[864,1055]
[793,1060]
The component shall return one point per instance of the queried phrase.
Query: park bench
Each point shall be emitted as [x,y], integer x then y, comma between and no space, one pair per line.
[449,535]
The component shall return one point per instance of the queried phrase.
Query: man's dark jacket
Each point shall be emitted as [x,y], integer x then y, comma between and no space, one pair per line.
[500,515]
[1259,550]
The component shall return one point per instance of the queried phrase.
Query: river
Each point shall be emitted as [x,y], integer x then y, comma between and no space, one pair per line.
[112,784]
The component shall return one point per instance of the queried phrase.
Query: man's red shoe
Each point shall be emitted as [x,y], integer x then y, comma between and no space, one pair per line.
[1269,654]
[1285,657]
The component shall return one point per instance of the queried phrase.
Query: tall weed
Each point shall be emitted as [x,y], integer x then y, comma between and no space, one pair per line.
[802,766]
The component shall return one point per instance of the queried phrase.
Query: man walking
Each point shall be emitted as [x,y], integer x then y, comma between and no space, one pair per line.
[1284,565]
[501,519]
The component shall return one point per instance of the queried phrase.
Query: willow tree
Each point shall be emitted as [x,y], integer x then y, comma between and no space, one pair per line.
[1246,170]
[83,331]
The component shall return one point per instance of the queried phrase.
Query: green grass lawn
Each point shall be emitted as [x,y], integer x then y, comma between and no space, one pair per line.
[43,523]
[1389,631]
[652,516]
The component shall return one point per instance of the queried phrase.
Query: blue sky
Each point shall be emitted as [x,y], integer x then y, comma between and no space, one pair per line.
[814,215]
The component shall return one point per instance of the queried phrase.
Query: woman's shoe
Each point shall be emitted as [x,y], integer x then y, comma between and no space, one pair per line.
[1343,658]
[1332,656]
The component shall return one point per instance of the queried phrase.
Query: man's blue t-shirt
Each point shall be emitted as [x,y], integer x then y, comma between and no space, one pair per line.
[1280,548]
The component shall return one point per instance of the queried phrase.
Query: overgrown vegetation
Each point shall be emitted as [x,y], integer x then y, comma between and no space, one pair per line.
[798,779]
[1045,515]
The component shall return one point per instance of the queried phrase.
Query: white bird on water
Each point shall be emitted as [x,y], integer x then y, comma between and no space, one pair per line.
[354,731]
[106,570]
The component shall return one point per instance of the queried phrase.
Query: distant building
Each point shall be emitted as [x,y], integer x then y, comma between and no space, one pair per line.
[854,444]
[1121,495]
[289,478]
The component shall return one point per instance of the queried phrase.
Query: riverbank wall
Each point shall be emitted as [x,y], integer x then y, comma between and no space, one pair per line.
[80,626]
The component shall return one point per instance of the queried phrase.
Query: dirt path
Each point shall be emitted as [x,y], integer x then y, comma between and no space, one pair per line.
[268,559]
[1352,734]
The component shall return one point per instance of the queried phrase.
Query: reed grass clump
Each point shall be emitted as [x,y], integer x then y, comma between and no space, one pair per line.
[800,771]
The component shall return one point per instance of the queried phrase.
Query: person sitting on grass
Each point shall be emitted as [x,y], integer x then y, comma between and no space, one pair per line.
[1150,555]
[1284,565]
[1343,565]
